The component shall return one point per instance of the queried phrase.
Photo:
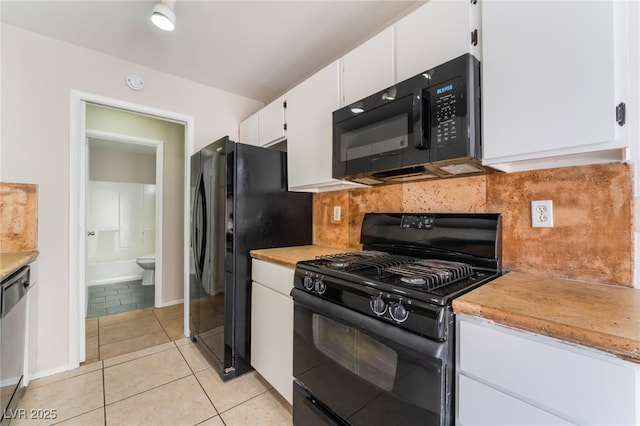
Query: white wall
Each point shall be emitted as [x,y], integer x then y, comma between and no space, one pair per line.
[113,165]
[37,76]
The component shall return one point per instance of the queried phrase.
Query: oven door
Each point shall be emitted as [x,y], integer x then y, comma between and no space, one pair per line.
[353,369]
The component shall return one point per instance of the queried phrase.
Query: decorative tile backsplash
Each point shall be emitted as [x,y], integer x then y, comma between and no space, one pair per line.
[592,237]
[18,217]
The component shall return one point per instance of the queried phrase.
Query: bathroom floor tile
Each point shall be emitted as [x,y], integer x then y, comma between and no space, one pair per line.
[141,374]
[96,313]
[69,397]
[113,298]
[264,409]
[181,402]
[227,395]
[134,344]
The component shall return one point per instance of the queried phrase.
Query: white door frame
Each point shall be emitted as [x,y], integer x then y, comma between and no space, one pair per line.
[158,145]
[77,222]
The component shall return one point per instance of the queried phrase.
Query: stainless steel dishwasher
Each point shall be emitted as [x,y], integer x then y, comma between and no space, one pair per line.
[13,317]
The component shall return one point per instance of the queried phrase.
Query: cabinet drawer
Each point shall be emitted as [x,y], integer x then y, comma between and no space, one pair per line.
[581,385]
[276,277]
[482,405]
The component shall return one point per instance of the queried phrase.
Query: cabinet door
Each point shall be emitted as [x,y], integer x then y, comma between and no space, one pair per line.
[483,405]
[368,68]
[435,33]
[249,130]
[310,106]
[271,123]
[272,338]
[586,386]
[549,84]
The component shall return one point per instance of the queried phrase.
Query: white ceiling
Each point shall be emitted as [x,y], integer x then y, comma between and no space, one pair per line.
[257,49]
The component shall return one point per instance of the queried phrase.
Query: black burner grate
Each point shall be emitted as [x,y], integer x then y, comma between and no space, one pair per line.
[422,274]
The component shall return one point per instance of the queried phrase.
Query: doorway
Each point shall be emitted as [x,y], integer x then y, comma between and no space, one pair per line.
[124,211]
[78,219]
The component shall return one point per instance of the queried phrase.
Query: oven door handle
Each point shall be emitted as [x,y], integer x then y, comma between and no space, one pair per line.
[373,327]
[330,421]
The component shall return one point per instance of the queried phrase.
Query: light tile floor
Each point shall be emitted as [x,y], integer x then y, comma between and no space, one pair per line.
[168,383]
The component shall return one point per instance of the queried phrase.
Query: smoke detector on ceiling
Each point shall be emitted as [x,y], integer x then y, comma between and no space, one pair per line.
[135,82]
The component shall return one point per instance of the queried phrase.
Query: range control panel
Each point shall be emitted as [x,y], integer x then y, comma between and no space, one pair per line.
[417,221]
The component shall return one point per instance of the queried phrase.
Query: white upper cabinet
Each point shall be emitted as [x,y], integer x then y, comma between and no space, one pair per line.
[310,132]
[248,130]
[368,68]
[435,33]
[553,73]
[271,123]
[267,126]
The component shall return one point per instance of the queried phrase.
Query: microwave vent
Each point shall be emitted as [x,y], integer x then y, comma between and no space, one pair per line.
[461,169]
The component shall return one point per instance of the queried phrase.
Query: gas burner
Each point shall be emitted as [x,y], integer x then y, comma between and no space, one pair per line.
[339,264]
[417,281]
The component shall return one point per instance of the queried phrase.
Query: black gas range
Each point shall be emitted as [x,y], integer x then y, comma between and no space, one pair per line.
[388,308]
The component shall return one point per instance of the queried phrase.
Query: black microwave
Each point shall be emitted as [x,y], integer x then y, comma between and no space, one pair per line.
[425,127]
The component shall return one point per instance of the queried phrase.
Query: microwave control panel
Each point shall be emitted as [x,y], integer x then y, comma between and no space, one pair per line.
[448,109]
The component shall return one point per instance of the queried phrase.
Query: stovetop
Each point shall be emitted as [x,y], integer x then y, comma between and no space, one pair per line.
[411,268]
[429,280]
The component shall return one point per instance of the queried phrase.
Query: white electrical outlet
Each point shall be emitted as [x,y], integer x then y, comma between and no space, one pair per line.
[542,214]
[336,213]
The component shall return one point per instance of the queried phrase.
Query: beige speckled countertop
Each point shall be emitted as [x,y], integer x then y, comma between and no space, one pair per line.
[12,261]
[603,317]
[289,256]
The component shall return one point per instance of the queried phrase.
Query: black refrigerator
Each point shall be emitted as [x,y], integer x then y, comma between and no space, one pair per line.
[239,202]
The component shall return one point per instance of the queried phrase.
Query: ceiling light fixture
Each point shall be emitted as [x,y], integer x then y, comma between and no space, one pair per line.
[163,16]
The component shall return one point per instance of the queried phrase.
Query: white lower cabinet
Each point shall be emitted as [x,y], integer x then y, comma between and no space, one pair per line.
[484,405]
[272,325]
[507,377]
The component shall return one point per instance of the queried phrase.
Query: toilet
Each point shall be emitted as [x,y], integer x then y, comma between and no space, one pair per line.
[148,264]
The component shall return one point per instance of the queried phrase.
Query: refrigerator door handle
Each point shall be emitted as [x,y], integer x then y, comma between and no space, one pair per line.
[196,248]
[194,216]
[205,225]
[203,244]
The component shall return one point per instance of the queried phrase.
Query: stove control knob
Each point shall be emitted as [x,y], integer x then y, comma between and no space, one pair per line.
[398,312]
[378,305]
[320,286]
[308,282]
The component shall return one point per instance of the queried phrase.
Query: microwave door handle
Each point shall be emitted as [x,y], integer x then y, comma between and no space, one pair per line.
[421,125]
